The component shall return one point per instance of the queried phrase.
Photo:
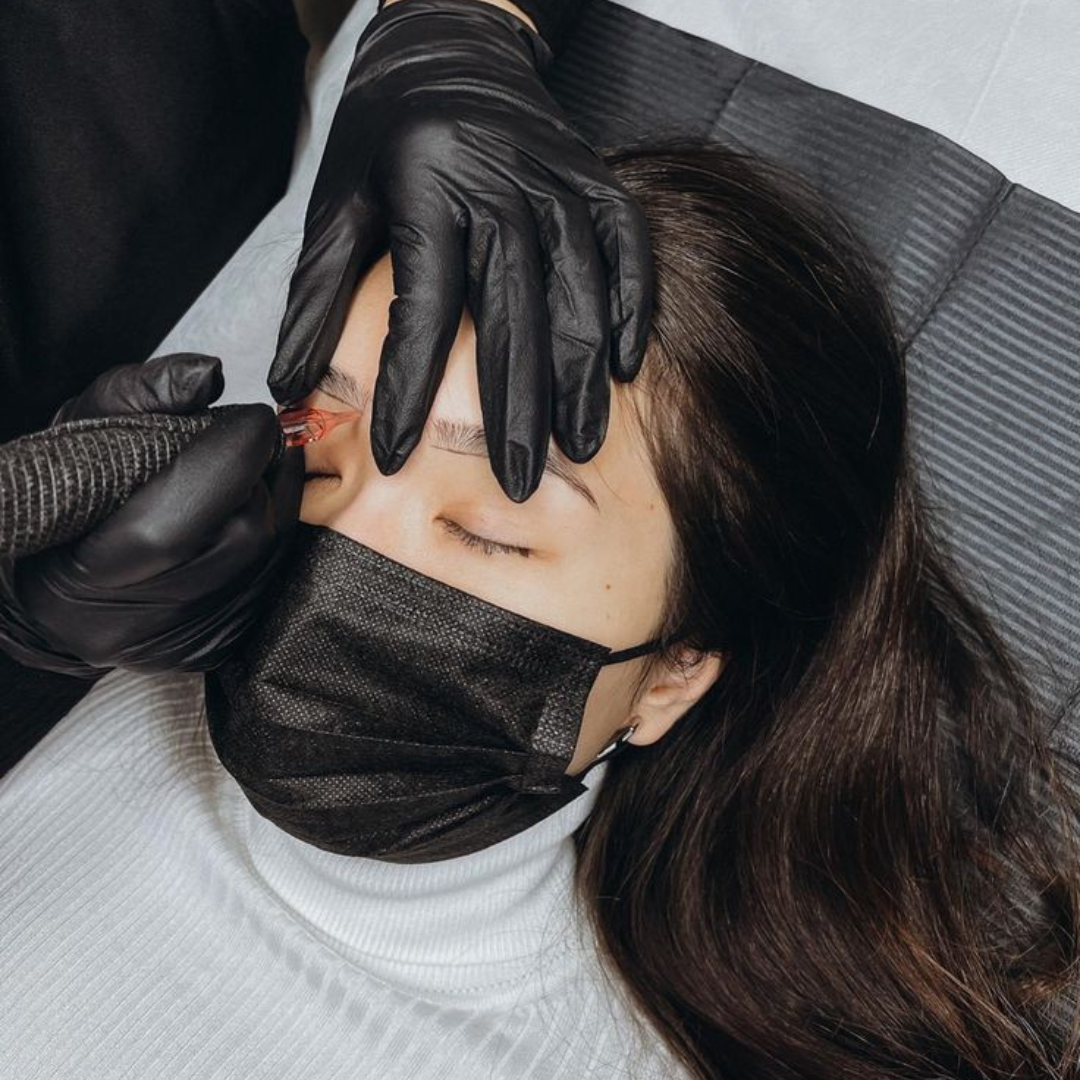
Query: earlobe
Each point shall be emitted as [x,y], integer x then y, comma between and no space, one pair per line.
[671,692]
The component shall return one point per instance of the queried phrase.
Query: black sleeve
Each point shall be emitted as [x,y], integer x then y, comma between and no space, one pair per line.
[32,702]
[142,140]
[555,19]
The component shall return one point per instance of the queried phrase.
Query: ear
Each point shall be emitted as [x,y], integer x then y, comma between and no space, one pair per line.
[672,689]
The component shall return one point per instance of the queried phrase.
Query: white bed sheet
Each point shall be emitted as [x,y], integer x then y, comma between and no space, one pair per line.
[1000,77]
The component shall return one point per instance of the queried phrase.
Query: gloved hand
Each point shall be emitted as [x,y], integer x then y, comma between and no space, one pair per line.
[447,143]
[173,578]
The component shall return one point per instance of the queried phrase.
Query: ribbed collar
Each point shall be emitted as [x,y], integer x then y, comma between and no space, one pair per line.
[471,929]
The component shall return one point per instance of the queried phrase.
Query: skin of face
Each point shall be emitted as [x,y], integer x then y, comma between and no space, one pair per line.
[597,572]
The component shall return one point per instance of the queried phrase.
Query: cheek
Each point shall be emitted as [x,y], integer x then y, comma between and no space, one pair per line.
[614,591]
[607,709]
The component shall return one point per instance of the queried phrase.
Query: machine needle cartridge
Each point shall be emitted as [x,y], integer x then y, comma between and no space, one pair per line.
[302,426]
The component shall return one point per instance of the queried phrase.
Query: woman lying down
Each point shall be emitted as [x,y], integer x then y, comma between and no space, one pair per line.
[826,835]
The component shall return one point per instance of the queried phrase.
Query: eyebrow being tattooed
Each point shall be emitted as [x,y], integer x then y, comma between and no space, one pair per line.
[455,436]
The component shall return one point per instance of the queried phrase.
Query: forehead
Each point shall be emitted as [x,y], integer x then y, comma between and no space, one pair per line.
[620,474]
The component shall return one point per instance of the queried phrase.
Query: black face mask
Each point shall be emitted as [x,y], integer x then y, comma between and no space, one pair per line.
[376,711]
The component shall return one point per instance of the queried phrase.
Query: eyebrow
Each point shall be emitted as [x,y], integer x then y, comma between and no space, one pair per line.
[341,385]
[461,438]
[455,436]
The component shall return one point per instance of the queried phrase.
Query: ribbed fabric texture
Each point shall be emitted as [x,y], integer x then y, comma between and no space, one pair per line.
[152,924]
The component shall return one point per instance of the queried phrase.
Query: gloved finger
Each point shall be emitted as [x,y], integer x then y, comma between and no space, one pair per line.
[246,538]
[623,235]
[580,318]
[233,576]
[202,644]
[243,541]
[337,247]
[513,345]
[168,602]
[175,383]
[264,523]
[174,516]
[286,484]
[168,626]
[427,258]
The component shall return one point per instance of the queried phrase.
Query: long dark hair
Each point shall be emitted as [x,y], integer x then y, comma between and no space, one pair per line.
[856,856]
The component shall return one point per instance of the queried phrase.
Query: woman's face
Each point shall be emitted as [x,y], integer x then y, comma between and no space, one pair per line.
[587,553]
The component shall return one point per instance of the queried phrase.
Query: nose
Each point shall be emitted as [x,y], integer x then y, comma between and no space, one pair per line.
[346,491]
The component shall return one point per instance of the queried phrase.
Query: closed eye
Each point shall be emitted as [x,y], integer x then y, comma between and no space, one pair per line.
[488,547]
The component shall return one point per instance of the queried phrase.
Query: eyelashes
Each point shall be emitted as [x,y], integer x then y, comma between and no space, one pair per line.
[488,547]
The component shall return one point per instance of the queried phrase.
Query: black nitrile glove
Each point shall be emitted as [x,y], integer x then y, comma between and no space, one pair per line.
[447,145]
[173,578]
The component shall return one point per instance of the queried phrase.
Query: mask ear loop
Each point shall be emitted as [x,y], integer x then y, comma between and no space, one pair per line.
[613,749]
[618,744]
[609,750]
[652,645]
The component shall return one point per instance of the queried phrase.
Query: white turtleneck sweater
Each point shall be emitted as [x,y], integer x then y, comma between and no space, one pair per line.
[154,925]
